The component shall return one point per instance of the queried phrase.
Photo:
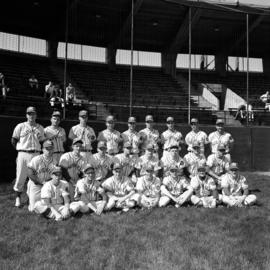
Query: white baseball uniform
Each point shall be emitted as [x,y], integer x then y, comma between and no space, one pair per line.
[112,138]
[168,161]
[199,136]
[128,163]
[170,137]
[103,165]
[149,136]
[28,146]
[145,160]
[218,165]
[192,161]
[133,138]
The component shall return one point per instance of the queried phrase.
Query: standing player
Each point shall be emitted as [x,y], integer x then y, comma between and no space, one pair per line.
[120,190]
[175,188]
[84,133]
[132,136]
[235,188]
[148,187]
[204,188]
[57,135]
[149,134]
[54,201]
[26,138]
[111,136]
[221,137]
[103,162]
[196,135]
[87,193]
[170,136]
[40,169]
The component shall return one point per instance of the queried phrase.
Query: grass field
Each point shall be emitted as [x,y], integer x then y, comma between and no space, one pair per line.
[170,238]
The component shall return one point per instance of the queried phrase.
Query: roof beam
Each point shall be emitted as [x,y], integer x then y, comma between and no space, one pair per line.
[126,24]
[182,33]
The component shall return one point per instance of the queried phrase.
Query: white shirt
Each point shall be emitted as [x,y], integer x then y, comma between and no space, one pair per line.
[58,137]
[215,138]
[147,187]
[234,186]
[176,186]
[133,138]
[193,161]
[112,138]
[203,188]
[128,163]
[118,188]
[218,165]
[200,137]
[103,165]
[149,136]
[170,137]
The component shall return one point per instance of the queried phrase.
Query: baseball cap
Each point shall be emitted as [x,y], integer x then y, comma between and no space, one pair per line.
[31,110]
[149,118]
[234,166]
[174,167]
[48,144]
[194,120]
[83,113]
[170,119]
[195,144]
[150,146]
[127,145]
[219,122]
[117,166]
[131,119]
[109,118]
[77,140]
[102,144]
[221,147]
[149,167]
[174,145]
[57,169]
[56,113]
[88,167]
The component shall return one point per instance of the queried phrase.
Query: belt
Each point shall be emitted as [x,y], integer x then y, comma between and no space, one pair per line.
[59,152]
[86,150]
[29,151]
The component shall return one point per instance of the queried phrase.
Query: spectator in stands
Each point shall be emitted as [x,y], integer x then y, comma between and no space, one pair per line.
[33,82]
[70,93]
[58,91]
[243,111]
[265,98]
[49,90]
[57,103]
[3,86]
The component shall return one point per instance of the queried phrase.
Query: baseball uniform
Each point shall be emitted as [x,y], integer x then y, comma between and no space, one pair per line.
[145,160]
[168,161]
[171,137]
[199,136]
[219,165]
[128,163]
[192,162]
[133,138]
[103,165]
[112,138]
[149,136]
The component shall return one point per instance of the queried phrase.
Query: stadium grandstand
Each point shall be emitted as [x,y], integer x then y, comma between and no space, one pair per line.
[185,58]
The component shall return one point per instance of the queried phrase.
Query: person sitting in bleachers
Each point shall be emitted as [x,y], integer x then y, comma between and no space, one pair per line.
[3,86]
[265,98]
[33,82]
[70,94]
[49,90]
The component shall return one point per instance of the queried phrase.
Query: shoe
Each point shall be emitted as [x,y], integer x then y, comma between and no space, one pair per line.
[125,209]
[18,202]
[177,205]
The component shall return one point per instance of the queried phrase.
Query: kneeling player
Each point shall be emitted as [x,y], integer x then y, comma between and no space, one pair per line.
[204,188]
[54,201]
[175,188]
[120,190]
[148,187]
[235,188]
[87,193]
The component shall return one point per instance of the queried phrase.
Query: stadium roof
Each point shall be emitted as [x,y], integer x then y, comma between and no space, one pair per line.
[159,25]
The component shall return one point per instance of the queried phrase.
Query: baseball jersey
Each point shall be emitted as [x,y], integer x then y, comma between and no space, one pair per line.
[29,137]
[176,186]
[218,165]
[215,138]
[58,136]
[86,134]
[91,189]
[167,161]
[55,193]
[170,137]
[118,187]
[103,165]
[133,138]
[234,186]
[202,188]
[200,137]
[149,136]
[112,138]
[144,161]
[43,167]
[150,188]
[128,163]
[192,161]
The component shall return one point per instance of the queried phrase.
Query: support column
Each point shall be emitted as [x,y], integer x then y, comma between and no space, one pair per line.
[220,64]
[168,63]
[111,57]
[52,46]
[266,65]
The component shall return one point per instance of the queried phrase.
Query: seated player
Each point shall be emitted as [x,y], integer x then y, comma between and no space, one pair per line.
[54,201]
[120,190]
[148,187]
[175,188]
[172,158]
[87,193]
[235,188]
[204,189]
[194,158]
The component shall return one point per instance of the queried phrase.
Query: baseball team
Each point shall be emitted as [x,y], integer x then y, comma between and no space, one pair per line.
[148,171]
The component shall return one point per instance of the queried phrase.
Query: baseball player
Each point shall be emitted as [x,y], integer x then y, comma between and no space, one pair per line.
[26,139]
[87,193]
[40,169]
[194,158]
[54,202]
[111,136]
[120,190]
[175,187]
[132,136]
[204,188]
[172,159]
[57,135]
[84,133]
[148,158]
[103,162]
[148,187]
[170,136]
[235,188]
[149,134]
[196,135]
[221,137]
